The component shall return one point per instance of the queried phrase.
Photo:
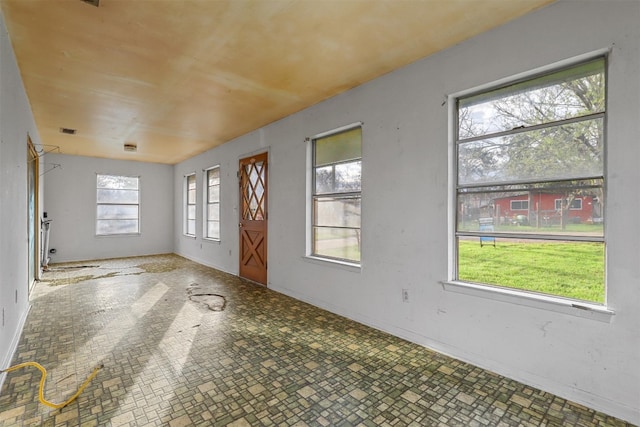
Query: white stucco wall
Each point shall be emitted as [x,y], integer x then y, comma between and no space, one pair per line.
[222,254]
[405,231]
[70,202]
[16,124]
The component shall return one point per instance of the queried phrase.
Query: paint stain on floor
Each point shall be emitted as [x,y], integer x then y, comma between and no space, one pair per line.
[204,299]
[72,273]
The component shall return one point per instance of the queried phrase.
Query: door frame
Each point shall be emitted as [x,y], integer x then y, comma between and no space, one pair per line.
[33,224]
[242,223]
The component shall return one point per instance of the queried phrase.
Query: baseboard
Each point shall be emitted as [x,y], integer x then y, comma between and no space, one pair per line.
[206,263]
[14,345]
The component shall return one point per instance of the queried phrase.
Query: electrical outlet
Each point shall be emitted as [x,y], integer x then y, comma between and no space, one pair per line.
[405,295]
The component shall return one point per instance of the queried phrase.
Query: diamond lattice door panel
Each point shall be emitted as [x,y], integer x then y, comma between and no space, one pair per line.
[253,218]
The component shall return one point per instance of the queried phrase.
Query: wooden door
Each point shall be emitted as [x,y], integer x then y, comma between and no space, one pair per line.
[253,218]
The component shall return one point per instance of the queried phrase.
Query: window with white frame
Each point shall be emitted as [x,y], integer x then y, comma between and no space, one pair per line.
[336,194]
[118,204]
[543,136]
[212,205]
[519,205]
[576,204]
[190,205]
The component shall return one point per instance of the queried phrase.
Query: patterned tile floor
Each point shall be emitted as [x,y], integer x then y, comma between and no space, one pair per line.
[186,345]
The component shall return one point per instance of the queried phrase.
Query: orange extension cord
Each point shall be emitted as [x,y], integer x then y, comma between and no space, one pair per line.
[44,377]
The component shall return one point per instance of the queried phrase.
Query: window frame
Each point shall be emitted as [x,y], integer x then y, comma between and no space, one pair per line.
[98,204]
[521,202]
[207,203]
[557,202]
[311,252]
[555,302]
[187,204]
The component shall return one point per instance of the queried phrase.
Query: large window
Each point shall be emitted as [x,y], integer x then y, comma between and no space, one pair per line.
[118,204]
[336,195]
[529,155]
[190,205]
[212,208]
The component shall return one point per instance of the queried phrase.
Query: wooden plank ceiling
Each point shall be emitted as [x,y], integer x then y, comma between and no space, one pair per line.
[177,78]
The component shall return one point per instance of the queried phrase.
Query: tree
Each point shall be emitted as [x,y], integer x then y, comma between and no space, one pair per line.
[541,131]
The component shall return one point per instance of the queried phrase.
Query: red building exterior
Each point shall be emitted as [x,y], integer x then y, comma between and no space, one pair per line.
[545,208]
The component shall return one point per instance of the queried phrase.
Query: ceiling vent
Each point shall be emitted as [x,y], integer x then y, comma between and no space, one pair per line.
[95,3]
[130,147]
[68,131]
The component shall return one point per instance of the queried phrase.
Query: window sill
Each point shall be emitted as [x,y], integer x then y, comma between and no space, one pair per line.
[119,235]
[544,302]
[210,240]
[345,265]
[190,236]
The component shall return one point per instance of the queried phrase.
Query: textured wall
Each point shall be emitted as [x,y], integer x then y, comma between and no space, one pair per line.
[70,202]
[405,203]
[16,123]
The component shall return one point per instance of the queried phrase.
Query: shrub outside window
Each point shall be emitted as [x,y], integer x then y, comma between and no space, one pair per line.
[190,205]
[336,194]
[212,213]
[530,176]
[118,205]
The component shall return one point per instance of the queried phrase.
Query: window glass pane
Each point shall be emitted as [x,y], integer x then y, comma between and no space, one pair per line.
[212,224]
[336,219]
[348,177]
[324,179]
[564,268]
[339,178]
[566,94]
[106,226]
[213,229]
[337,211]
[575,204]
[520,205]
[518,191]
[338,147]
[213,176]
[117,196]
[191,189]
[213,211]
[563,152]
[191,227]
[337,243]
[191,212]
[117,182]
[117,211]
[537,211]
[117,204]
[214,194]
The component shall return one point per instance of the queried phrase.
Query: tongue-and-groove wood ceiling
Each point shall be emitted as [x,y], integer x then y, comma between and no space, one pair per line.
[178,77]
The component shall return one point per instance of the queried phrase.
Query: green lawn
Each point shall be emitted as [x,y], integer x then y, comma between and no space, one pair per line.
[590,229]
[337,244]
[573,270]
[351,253]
